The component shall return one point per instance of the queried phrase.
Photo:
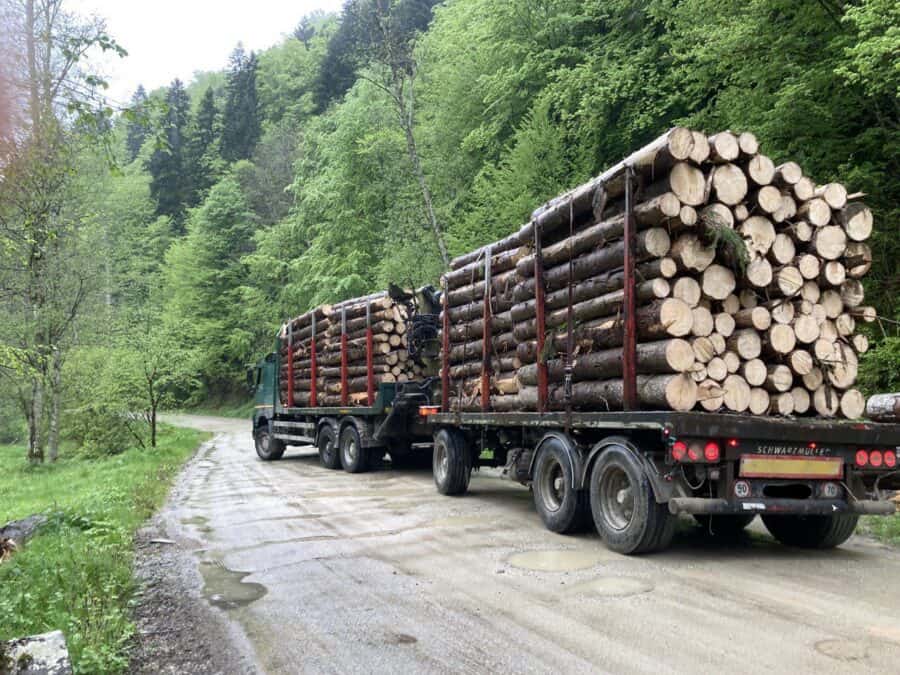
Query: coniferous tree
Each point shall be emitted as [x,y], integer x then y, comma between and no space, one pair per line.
[202,150]
[241,127]
[168,184]
[137,128]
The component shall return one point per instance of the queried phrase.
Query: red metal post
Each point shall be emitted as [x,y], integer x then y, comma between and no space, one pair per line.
[370,348]
[290,364]
[540,319]
[445,348]
[345,394]
[313,367]
[486,335]
[629,359]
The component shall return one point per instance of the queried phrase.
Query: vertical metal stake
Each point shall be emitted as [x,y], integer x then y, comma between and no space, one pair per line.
[486,334]
[370,347]
[345,394]
[313,367]
[445,347]
[629,329]
[290,365]
[540,319]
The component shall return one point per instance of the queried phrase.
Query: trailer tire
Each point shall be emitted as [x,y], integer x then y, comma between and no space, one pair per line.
[354,457]
[267,448]
[815,531]
[624,507]
[562,507]
[329,455]
[725,527]
[451,463]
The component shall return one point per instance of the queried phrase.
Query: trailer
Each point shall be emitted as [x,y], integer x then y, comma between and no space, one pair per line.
[629,472]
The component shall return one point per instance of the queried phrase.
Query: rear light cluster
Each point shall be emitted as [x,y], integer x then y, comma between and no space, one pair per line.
[876,459]
[696,451]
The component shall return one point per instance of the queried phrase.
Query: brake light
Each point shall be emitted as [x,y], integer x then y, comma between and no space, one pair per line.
[876,458]
[890,459]
[711,452]
[679,448]
[428,410]
[732,443]
[862,458]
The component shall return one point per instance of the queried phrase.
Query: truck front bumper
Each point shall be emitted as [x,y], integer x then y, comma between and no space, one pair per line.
[779,506]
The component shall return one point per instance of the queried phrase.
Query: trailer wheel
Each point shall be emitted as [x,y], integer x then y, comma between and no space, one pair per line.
[724,526]
[811,531]
[329,455]
[267,447]
[354,457]
[451,463]
[562,507]
[623,505]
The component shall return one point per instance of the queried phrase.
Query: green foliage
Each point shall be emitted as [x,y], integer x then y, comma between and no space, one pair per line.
[241,125]
[76,574]
[167,164]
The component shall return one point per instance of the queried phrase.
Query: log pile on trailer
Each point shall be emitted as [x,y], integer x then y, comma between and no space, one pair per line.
[695,274]
[340,353]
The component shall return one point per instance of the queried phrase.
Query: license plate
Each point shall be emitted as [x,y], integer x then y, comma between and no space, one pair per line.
[765,466]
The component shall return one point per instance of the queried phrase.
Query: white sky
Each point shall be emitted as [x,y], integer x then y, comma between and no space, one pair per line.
[166,39]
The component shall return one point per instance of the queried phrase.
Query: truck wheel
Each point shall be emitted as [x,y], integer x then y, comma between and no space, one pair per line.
[724,526]
[354,457]
[451,463]
[268,448]
[328,450]
[563,508]
[811,531]
[623,505]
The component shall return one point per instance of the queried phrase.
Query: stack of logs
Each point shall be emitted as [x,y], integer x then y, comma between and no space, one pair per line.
[316,338]
[747,286]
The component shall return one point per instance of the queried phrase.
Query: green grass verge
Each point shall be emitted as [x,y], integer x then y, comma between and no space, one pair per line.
[236,409]
[883,528]
[76,575]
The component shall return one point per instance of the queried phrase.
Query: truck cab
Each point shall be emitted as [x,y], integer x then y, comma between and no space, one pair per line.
[262,381]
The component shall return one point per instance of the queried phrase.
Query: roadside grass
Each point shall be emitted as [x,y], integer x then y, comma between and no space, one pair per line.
[76,574]
[883,528]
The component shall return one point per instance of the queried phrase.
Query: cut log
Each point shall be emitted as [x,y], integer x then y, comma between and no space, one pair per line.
[813,379]
[757,317]
[755,372]
[698,373]
[857,259]
[701,149]
[759,272]
[781,310]
[688,184]
[718,343]
[741,213]
[786,210]
[809,266]
[687,290]
[800,361]
[689,253]
[702,322]
[767,199]
[783,249]
[853,404]
[780,339]
[788,281]
[467,275]
[661,392]
[816,212]
[710,395]
[687,216]
[852,293]
[883,408]
[830,242]
[778,378]
[843,366]
[716,369]
[723,147]
[736,393]
[833,303]
[729,184]
[860,343]
[717,215]
[834,194]
[810,291]
[718,282]
[806,329]
[748,144]
[758,233]
[802,400]
[857,221]
[788,173]
[732,362]
[845,325]
[867,314]
[759,401]
[761,170]
[703,349]
[746,343]
[826,401]
[804,189]
[781,404]
[724,324]
[731,304]
[801,231]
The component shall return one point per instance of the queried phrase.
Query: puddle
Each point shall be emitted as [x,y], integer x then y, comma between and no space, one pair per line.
[225,588]
[559,560]
[401,639]
[456,521]
[842,650]
[195,520]
[614,587]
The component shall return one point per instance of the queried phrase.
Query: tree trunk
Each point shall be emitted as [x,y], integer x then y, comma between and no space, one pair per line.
[55,397]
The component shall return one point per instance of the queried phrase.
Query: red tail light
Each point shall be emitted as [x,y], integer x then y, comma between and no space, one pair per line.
[890,458]
[862,458]
[679,448]
[876,458]
[711,452]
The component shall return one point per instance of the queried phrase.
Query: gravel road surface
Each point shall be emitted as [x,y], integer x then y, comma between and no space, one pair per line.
[314,570]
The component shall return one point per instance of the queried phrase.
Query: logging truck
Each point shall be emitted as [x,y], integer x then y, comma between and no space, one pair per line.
[676,336]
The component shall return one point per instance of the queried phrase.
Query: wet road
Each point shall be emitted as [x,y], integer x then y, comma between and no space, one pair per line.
[330,572]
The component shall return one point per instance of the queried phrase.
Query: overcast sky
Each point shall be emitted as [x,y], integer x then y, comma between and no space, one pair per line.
[174,38]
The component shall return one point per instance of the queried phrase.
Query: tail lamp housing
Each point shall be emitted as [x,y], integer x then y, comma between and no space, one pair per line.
[876,459]
[700,451]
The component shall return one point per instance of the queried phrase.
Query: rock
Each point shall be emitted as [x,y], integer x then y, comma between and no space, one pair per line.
[45,654]
[20,531]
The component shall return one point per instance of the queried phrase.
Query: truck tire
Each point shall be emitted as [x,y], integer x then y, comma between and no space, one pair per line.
[811,531]
[624,507]
[354,457]
[451,462]
[267,448]
[562,507]
[726,527]
[329,455]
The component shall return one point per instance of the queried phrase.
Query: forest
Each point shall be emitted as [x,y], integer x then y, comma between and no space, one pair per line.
[149,252]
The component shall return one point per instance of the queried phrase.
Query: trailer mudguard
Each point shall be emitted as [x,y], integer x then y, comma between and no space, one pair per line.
[573,455]
[664,488]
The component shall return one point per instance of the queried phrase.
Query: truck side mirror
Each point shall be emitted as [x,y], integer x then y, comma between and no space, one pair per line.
[251,379]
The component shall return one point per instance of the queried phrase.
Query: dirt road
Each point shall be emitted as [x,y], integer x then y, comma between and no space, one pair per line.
[324,571]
